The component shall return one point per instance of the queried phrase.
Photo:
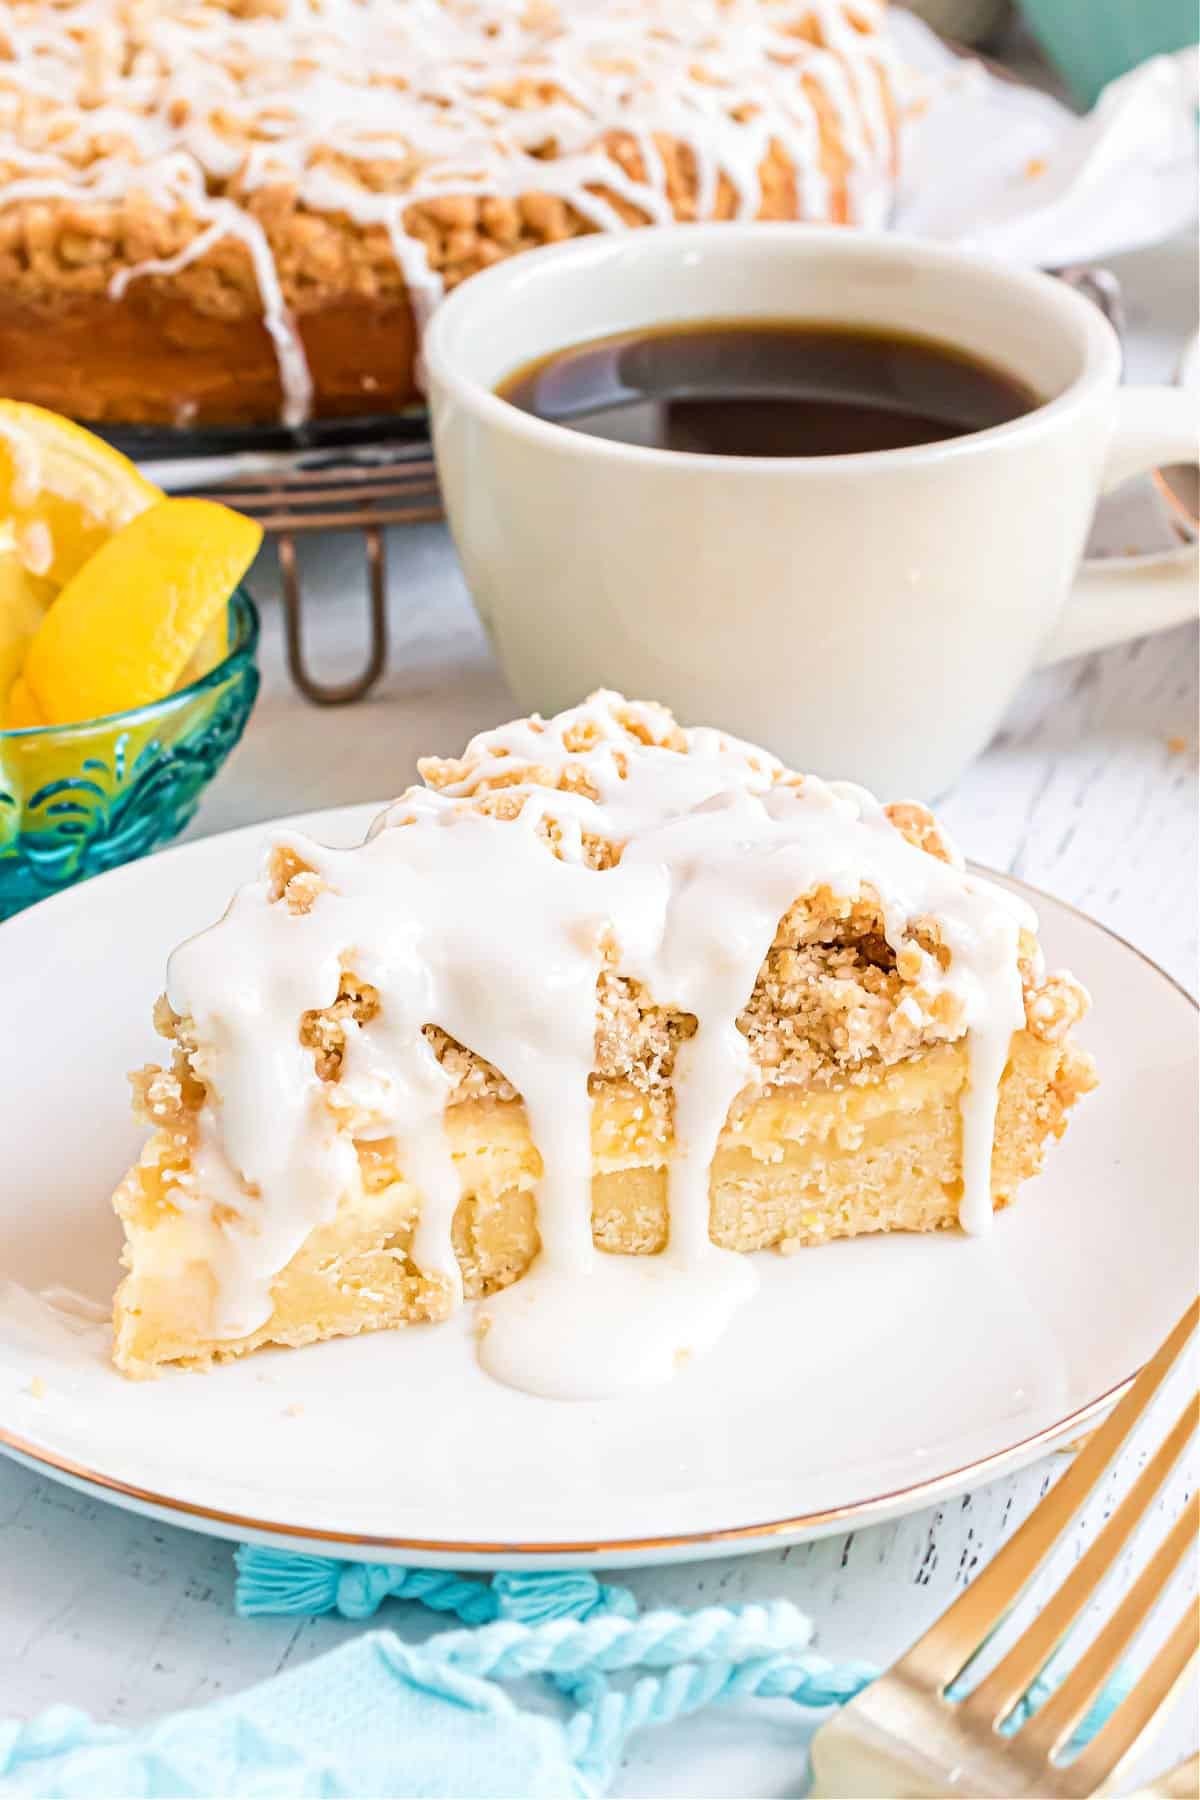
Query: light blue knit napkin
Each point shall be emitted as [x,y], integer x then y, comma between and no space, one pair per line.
[379,1716]
[374,1717]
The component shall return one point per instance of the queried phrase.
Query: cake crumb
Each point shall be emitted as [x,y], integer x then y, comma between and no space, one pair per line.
[1034,167]
[1176,745]
[36,1389]
[294,1411]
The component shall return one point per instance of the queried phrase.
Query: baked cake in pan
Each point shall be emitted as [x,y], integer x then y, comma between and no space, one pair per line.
[604,993]
[241,210]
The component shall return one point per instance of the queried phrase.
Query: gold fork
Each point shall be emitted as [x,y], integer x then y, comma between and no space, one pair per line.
[904,1738]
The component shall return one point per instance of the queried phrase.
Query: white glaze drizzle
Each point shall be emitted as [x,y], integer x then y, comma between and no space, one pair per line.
[472,923]
[209,98]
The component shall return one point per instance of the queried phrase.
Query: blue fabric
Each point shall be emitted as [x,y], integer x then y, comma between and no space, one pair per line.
[379,1716]
[374,1717]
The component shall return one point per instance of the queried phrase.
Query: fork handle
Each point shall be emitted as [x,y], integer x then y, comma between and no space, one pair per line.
[851,1756]
[1180,1783]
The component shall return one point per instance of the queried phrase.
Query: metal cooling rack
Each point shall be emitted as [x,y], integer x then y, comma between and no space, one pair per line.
[361,484]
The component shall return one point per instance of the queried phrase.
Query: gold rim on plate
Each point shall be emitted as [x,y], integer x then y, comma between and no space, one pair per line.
[905,1499]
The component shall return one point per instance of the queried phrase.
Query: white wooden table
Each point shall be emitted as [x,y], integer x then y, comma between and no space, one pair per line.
[1083,793]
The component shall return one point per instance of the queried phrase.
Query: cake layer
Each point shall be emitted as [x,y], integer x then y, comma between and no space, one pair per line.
[156,358]
[794,1168]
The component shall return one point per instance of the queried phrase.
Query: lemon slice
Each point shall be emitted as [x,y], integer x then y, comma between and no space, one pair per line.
[212,649]
[64,490]
[23,710]
[23,602]
[124,629]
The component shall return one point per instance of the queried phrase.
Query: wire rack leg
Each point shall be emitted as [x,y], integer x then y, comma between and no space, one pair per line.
[335,693]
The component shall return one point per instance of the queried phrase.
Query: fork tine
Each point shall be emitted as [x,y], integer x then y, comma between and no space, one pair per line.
[949,1644]
[1129,1728]
[1053,1723]
[999,1691]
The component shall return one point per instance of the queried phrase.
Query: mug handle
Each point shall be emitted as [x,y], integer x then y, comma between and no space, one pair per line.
[1126,596]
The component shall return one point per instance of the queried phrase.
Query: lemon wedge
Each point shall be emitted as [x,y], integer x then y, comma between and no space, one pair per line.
[23,602]
[126,626]
[64,490]
[212,649]
[23,710]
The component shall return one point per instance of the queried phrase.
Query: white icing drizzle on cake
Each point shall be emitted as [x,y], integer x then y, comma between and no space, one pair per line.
[473,923]
[211,98]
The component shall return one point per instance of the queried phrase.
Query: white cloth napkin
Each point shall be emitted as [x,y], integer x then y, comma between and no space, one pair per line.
[998,165]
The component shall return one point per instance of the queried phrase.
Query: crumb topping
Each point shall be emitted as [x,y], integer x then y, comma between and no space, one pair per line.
[832,1000]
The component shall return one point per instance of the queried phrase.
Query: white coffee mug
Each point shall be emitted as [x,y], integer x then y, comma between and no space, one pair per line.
[866,616]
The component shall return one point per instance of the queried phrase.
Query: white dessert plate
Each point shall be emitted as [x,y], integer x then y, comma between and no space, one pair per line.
[866,1379]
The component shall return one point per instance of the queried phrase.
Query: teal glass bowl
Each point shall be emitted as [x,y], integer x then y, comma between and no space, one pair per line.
[78,799]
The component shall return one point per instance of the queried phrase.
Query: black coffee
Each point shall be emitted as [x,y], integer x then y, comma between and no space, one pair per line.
[768,387]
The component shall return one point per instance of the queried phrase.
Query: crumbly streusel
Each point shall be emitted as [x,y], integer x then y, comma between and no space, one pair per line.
[833,999]
[149,80]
